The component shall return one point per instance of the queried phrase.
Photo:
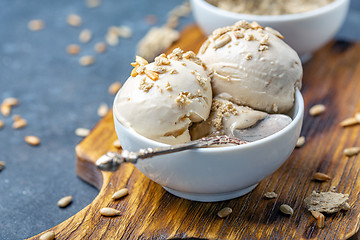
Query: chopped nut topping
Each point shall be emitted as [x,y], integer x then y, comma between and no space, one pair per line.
[36,25]
[238,34]
[263,48]
[222,109]
[162,60]
[273,31]
[74,20]
[222,41]
[204,46]
[248,56]
[183,99]
[168,87]
[177,54]
[134,71]
[152,75]
[159,69]
[173,71]
[145,86]
[141,61]
[202,81]
[141,69]
[265,40]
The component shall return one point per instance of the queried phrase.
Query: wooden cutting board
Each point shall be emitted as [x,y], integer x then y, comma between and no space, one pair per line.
[331,77]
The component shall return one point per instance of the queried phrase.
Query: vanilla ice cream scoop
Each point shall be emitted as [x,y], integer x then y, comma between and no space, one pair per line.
[160,100]
[253,65]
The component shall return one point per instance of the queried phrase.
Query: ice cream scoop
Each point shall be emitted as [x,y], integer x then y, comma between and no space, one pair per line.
[162,99]
[254,66]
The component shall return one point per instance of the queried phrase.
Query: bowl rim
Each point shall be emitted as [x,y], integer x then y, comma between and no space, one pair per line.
[296,119]
[274,18]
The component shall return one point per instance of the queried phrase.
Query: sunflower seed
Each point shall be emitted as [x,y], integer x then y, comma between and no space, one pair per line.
[20,123]
[124,32]
[93,3]
[36,25]
[5,110]
[85,36]
[102,110]
[349,122]
[317,109]
[109,212]
[270,195]
[112,39]
[222,41]
[74,20]
[82,132]
[224,212]
[86,60]
[65,201]
[357,116]
[32,140]
[117,143]
[2,124]
[321,176]
[121,193]
[320,223]
[300,142]
[11,101]
[47,236]
[315,214]
[286,209]
[114,88]
[152,75]
[73,49]
[2,165]
[100,47]
[351,151]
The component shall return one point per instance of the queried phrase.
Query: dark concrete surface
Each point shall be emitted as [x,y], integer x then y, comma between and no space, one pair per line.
[58,95]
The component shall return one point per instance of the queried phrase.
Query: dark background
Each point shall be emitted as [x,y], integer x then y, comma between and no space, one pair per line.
[58,95]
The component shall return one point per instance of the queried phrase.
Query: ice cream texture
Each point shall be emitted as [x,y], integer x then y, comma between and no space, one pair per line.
[254,66]
[162,99]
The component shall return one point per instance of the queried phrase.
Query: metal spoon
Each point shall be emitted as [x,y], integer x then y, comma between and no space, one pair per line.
[271,124]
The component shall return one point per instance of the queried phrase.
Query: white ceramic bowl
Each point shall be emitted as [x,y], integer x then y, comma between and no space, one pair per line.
[216,174]
[305,32]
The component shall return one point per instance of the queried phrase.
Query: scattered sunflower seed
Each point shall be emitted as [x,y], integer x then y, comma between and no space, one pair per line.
[286,209]
[36,25]
[16,117]
[320,223]
[124,32]
[74,20]
[93,3]
[349,152]
[47,236]
[315,214]
[321,176]
[73,49]
[2,165]
[85,36]
[121,193]
[357,116]
[117,143]
[114,88]
[5,110]
[226,211]
[11,101]
[32,140]
[102,110]
[317,109]
[300,142]
[100,47]
[112,39]
[270,195]
[2,124]
[19,123]
[109,212]
[349,122]
[86,60]
[65,201]
[82,132]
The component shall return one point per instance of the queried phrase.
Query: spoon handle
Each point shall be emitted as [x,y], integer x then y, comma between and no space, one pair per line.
[112,160]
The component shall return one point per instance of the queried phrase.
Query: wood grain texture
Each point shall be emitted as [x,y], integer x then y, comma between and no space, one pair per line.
[331,77]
